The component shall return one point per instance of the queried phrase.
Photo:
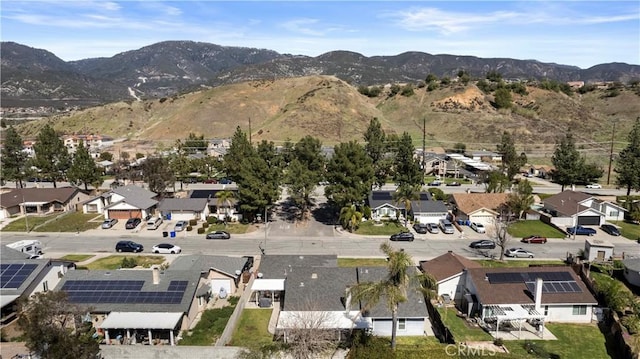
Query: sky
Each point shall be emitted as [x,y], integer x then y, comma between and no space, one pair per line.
[578,33]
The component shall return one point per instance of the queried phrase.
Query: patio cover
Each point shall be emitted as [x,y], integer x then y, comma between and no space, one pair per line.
[141,320]
[514,312]
[323,320]
[268,284]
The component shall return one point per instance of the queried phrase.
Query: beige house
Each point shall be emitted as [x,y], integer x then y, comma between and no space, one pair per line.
[478,207]
[40,201]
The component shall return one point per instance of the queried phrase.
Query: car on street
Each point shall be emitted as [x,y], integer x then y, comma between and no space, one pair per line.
[129,246]
[108,223]
[132,223]
[610,229]
[433,228]
[593,185]
[402,236]
[180,226]
[420,228]
[478,227]
[581,231]
[482,244]
[454,184]
[435,183]
[534,239]
[218,235]
[166,248]
[518,253]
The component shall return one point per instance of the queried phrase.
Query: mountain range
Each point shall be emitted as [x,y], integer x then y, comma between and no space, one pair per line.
[37,77]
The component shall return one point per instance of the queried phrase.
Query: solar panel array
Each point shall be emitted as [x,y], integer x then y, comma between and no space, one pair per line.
[519,277]
[13,275]
[381,196]
[122,291]
[556,287]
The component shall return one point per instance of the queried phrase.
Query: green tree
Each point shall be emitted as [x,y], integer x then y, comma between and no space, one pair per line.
[496,182]
[375,148]
[567,161]
[156,172]
[502,98]
[304,172]
[437,194]
[404,195]
[55,329]
[459,147]
[51,156]
[195,143]
[83,168]
[226,199]
[628,161]
[350,175]
[259,181]
[13,161]
[350,217]
[240,149]
[180,164]
[494,76]
[407,168]
[106,156]
[521,198]
[393,287]
[511,161]
[431,78]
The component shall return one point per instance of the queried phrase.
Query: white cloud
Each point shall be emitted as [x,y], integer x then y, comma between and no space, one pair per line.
[302,26]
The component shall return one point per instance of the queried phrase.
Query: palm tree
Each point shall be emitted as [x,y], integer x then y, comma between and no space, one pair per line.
[394,286]
[350,217]
[404,195]
[225,198]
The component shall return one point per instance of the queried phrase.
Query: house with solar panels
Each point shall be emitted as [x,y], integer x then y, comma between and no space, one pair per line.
[510,299]
[423,210]
[22,277]
[136,306]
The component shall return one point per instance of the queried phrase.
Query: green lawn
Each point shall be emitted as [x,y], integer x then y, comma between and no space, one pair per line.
[115,261]
[77,257]
[362,262]
[519,263]
[251,331]
[20,224]
[233,228]
[72,222]
[459,328]
[210,326]
[575,341]
[628,230]
[526,228]
[388,228]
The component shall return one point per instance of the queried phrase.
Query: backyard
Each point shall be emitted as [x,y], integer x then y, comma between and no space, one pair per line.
[253,324]
[210,326]
[362,262]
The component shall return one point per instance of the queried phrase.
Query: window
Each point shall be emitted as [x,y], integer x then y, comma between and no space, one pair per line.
[402,324]
[613,214]
[546,310]
[579,310]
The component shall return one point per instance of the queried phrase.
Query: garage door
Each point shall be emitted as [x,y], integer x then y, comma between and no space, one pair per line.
[125,213]
[181,216]
[589,220]
[486,220]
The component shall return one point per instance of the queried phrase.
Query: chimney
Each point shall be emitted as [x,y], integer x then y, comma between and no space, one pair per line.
[156,274]
[347,300]
[314,275]
[538,294]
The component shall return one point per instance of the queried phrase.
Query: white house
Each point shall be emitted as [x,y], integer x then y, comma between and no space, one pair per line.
[569,208]
[184,209]
[449,271]
[632,271]
[423,210]
[597,250]
[124,202]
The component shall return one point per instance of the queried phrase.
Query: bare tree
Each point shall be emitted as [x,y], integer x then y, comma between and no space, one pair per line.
[499,232]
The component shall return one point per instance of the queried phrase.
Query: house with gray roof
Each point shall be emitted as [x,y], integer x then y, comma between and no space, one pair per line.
[223,273]
[217,208]
[130,201]
[40,201]
[134,305]
[22,277]
[423,210]
[569,208]
[184,209]
[632,271]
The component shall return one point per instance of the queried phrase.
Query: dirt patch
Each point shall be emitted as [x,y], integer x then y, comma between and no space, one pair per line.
[471,99]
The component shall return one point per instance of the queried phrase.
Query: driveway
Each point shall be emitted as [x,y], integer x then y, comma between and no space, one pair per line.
[284,222]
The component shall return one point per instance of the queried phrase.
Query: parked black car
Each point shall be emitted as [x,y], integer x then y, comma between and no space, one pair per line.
[483,244]
[132,223]
[129,246]
[420,228]
[610,229]
[402,236]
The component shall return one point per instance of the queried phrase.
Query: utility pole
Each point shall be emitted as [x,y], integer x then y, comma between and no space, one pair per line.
[613,135]
[250,132]
[424,143]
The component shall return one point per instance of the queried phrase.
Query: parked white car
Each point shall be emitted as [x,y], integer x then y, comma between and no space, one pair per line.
[478,227]
[166,248]
[518,253]
[593,185]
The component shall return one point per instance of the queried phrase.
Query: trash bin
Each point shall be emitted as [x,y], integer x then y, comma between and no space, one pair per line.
[165,234]
[168,216]
[173,234]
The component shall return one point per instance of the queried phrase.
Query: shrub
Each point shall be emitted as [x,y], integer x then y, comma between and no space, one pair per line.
[189,228]
[212,220]
[193,222]
[128,262]
[205,225]
[201,230]
[498,342]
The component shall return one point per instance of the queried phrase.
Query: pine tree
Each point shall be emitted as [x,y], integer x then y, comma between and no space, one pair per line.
[13,161]
[350,175]
[51,156]
[157,174]
[376,150]
[511,161]
[83,168]
[240,149]
[407,168]
[628,162]
[567,161]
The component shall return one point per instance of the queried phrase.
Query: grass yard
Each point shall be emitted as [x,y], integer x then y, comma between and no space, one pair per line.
[628,230]
[72,222]
[251,331]
[387,228]
[77,257]
[233,228]
[575,341]
[526,228]
[361,262]
[458,327]
[20,224]
[518,263]
[210,326]
[115,261]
